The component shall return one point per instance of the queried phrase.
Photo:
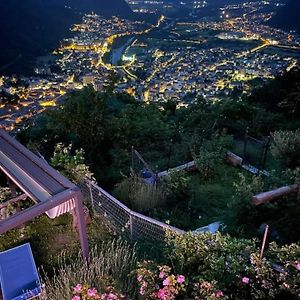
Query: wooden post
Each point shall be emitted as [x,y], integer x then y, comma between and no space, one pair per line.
[91,195]
[81,226]
[265,153]
[264,241]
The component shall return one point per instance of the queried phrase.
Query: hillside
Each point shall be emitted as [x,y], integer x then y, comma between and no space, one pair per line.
[287,17]
[34,27]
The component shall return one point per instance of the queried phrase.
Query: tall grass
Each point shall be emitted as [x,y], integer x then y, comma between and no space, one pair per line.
[139,195]
[114,260]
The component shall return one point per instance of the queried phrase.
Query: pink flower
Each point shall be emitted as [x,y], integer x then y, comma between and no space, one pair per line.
[298,266]
[180,279]
[142,291]
[143,287]
[245,280]
[78,288]
[162,274]
[219,294]
[91,293]
[139,278]
[112,296]
[166,282]
[286,285]
[76,298]
[161,294]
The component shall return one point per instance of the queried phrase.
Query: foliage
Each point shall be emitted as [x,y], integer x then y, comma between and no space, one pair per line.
[211,154]
[106,125]
[5,212]
[280,96]
[247,187]
[207,290]
[4,194]
[176,185]
[232,266]
[110,264]
[286,148]
[71,164]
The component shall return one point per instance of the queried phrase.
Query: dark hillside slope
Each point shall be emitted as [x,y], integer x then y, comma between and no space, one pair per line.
[30,28]
[288,17]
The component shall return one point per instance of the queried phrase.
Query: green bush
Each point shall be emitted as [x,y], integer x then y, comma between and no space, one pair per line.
[211,154]
[286,148]
[72,165]
[233,266]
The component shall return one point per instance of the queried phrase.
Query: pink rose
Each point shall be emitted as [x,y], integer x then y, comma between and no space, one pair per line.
[112,296]
[76,298]
[162,274]
[298,266]
[142,291]
[180,279]
[139,278]
[219,294]
[245,280]
[166,282]
[78,288]
[286,285]
[91,293]
[161,294]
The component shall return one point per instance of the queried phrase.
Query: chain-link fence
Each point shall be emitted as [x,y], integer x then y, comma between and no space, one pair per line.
[120,219]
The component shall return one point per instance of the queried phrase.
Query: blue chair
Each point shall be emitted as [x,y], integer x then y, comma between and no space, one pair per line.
[18,274]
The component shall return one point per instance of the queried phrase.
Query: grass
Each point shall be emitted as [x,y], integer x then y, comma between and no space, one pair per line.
[49,238]
[204,201]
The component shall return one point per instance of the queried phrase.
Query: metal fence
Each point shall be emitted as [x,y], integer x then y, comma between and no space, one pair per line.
[120,219]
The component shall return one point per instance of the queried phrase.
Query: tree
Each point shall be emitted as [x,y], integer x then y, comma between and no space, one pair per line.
[286,148]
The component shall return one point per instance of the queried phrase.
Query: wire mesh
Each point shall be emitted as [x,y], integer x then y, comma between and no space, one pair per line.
[119,218]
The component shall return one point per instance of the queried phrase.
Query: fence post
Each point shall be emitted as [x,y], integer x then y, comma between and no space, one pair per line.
[131,226]
[91,195]
[265,152]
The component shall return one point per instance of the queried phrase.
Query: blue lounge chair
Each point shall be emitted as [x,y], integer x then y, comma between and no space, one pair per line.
[18,274]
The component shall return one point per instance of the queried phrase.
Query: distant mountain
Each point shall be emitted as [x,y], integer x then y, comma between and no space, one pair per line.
[288,17]
[30,28]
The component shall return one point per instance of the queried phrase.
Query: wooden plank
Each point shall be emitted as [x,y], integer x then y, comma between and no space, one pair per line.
[275,194]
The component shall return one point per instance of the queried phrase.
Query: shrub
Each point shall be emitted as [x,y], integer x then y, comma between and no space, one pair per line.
[110,265]
[71,164]
[176,185]
[82,292]
[233,266]
[211,154]
[286,148]
[157,282]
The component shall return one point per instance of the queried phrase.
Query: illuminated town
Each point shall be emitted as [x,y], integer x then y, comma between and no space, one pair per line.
[179,59]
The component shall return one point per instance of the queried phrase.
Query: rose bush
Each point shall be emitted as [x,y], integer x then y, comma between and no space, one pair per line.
[215,266]
[84,292]
[157,282]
